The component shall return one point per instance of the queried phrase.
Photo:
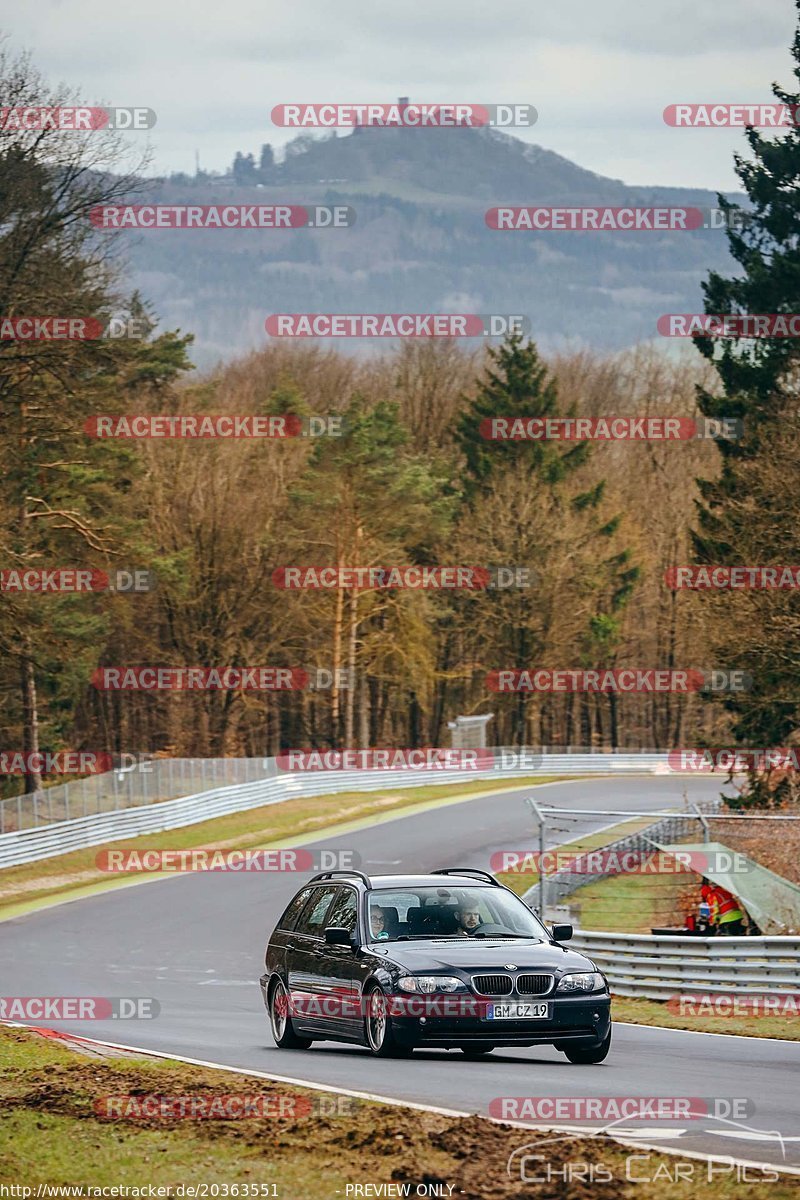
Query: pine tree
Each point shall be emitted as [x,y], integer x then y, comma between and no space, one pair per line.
[742,516]
[516,385]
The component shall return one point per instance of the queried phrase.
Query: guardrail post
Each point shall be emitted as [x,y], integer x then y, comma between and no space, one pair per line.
[703,822]
[542,873]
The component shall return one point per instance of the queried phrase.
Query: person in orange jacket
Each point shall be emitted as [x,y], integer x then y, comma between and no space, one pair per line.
[726,916]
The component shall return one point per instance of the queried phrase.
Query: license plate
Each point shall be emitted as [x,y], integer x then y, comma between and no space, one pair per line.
[517,1012]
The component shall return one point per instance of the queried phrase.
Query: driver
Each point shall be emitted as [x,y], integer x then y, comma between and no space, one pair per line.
[468,919]
[377,920]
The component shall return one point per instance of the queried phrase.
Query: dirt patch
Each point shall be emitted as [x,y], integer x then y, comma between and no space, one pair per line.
[772,844]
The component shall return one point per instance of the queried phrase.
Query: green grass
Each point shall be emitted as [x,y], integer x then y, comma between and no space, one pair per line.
[51,1134]
[630,903]
[521,881]
[655,1012]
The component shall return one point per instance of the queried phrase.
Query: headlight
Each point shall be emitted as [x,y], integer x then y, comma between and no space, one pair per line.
[430,983]
[587,981]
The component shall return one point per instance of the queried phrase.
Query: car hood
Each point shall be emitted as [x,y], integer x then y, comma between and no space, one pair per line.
[471,954]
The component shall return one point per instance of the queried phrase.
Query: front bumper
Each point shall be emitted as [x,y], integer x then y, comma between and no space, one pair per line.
[571,1019]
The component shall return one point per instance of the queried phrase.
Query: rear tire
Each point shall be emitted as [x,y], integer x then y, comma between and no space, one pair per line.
[585,1055]
[476,1051]
[280,1021]
[378,1028]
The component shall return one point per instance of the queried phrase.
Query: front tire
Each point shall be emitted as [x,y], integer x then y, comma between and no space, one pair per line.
[586,1055]
[280,1021]
[378,1028]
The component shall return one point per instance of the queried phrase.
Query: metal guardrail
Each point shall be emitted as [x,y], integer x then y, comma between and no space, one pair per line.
[48,840]
[658,967]
[146,781]
[151,780]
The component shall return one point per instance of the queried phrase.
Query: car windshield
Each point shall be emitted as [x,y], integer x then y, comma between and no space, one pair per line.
[450,912]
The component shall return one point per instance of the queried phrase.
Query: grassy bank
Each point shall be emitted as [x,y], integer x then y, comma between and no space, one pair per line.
[52,1134]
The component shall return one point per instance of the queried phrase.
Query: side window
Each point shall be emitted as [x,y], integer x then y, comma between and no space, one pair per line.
[344,910]
[312,918]
[293,911]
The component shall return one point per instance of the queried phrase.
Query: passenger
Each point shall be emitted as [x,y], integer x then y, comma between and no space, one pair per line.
[377,920]
[468,919]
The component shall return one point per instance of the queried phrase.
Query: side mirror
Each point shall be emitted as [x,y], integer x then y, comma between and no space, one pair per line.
[562,933]
[336,936]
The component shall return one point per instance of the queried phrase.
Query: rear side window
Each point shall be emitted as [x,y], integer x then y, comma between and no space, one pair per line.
[288,919]
[344,910]
[312,919]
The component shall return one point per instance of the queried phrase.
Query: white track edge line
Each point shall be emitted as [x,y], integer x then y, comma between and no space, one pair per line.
[392,1100]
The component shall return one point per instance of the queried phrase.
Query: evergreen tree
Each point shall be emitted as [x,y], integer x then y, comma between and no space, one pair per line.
[738,513]
[516,385]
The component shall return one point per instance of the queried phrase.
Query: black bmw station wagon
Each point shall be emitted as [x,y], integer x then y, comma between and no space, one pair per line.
[451,959]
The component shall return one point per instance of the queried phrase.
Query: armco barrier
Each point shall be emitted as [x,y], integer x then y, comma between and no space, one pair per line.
[658,967]
[48,840]
[141,780]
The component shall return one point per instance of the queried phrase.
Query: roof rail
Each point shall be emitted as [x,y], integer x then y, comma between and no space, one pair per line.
[365,879]
[467,871]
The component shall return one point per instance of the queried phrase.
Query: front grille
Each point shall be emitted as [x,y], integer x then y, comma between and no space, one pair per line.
[534,985]
[493,985]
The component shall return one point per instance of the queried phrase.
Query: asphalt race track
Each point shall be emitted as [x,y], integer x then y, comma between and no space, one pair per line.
[195,942]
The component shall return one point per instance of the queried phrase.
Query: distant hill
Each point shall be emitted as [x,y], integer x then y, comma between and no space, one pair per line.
[420,244]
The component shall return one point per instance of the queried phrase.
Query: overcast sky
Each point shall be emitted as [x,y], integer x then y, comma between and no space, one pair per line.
[600,72]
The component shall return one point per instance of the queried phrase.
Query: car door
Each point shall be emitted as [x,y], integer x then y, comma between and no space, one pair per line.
[342,970]
[303,959]
[281,939]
